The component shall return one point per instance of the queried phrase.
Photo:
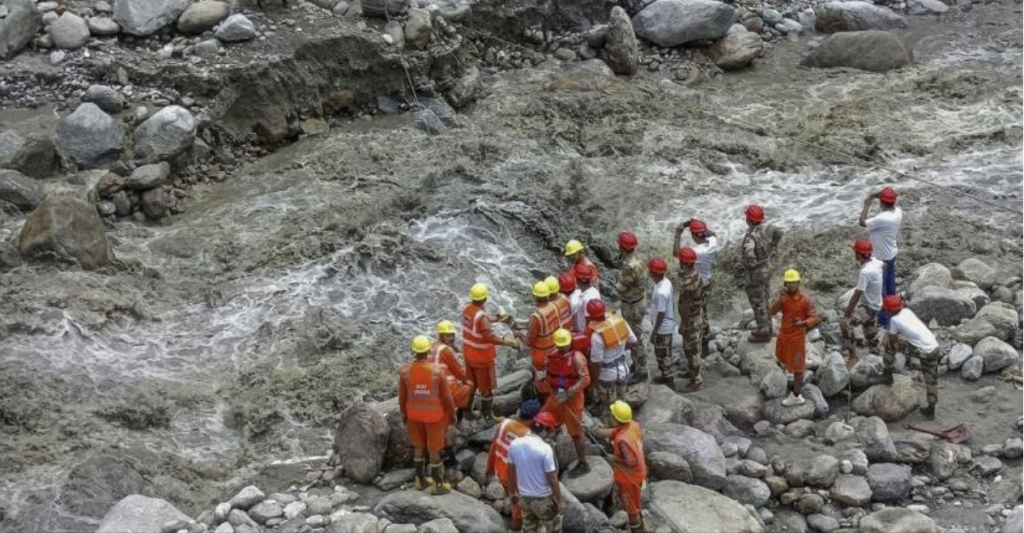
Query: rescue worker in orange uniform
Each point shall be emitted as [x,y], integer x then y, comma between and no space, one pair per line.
[628,463]
[576,254]
[497,458]
[797,317]
[560,301]
[428,409]
[567,376]
[442,352]
[543,323]
[479,348]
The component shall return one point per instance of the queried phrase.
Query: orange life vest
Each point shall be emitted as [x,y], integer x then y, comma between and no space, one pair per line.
[476,348]
[561,370]
[509,430]
[613,330]
[564,308]
[543,341]
[630,437]
[423,383]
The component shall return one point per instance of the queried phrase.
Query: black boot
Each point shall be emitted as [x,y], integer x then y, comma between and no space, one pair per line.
[437,475]
[449,458]
[579,470]
[420,480]
[487,411]
[928,411]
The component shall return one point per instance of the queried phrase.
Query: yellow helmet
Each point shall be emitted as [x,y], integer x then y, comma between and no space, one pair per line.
[540,290]
[420,344]
[621,411]
[562,337]
[791,276]
[573,247]
[445,327]
[553,286]
[478,292]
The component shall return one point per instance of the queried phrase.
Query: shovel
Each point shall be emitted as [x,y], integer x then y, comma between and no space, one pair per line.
[954,435]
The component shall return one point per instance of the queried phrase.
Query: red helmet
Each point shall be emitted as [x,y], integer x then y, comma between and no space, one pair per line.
[546,419]
[581,343]
[754,213]
[687,255]
[892,303]
[697,226]
[595,309]
[566,282]
[862,246]
[627,240]
[657,266]
[887,196]
[583,271]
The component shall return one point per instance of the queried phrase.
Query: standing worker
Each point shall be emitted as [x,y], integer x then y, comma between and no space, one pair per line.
[798,316]
[628,463]
[586,281]
[865,302]
[908,332]
[567,376]
[706,246]
[442,352]
[497,458]
[609,358]
[428,409]
[759,245]
[663,317]
[884,232]
[567,286]
[561,302]
[691,318]
[576,255]
[533,478]
[478,344]
[630,291]
[543,323]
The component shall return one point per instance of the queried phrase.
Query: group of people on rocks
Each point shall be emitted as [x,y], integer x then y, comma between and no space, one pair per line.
[581,351]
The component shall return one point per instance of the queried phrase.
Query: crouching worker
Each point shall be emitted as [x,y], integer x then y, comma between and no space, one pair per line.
[628,463]
[428,409]
[908,332]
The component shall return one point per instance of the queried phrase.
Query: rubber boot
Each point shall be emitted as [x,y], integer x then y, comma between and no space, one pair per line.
[928,411]
[470,414]
[638,527]
[487,411]
[449,458]
[420,481]
[437,475]
[760,335]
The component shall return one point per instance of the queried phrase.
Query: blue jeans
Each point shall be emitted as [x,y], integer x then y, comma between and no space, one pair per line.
[888,287]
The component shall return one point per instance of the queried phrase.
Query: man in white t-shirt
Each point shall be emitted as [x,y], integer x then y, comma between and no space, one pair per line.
[663,317]
[609,356]
[906,331]
[865,302]
[884,232]
[706,246]
[588,292]
[533,477]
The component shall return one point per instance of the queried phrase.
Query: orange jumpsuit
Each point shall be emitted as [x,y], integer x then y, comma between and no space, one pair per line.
[426,404]
[544,321]
[630,473]
[497,458]
[564,370]
[444,355]
[478,346]
[791,346]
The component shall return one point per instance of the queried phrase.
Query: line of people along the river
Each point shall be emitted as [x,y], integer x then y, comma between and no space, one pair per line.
[583,352]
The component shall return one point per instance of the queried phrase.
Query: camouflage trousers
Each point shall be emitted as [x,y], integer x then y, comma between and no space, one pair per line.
[704,297]
[867,319]
[634,313]
[693,332]
[539,512]
[758,288]
[607,393]
[929,367]
[663,353]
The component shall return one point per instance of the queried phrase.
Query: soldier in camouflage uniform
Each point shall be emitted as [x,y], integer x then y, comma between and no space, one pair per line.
[630,291]
[758,247]
[706,245]
[691,317]
[908,334]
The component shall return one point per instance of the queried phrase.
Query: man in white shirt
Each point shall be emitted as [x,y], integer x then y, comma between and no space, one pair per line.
[588,292]
[662,313]
[906,331]
[609,358]
[884,232]
[865,302]
[533,477]
[706,246]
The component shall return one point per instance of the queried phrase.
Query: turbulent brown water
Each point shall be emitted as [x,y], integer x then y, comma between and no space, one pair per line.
[231,333]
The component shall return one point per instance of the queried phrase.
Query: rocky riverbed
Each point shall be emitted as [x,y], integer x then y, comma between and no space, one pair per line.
[211,246]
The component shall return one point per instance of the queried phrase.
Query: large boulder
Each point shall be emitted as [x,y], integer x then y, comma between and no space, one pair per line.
[746,490]
[202,16]
[945,306]
[977,271]
[670,23]
[737,49]
[889,482]
[667,465]
[856,16]
[360,442]
[32,155]
[90,137]
[621,44]
[745,410]
[578,517]
[106,97]
[664,406]
[593,486]
[890,402]
[165,135]
[711,419]
[19,190]
[691,509]
[897,520]
[65,228]
[945,457]
[69,31]
[140,514]
[870,370]
[996,354]
[1002,318]
[822,472]
[832,377]
[415,507]
[774,384]
[973,368]
[143,17]
[874,437]
[958,355]
[850,490]
[699,449]
[103,26]
[931,275]
[18,28]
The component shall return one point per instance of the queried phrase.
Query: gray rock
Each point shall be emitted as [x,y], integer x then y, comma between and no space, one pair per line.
[774,385]
[165,135]
[669,466]
[247,497]
[294,509]
[1002,316]
[1014,522]
[593,486]
[856,16]
[944,458]
[69,31]
[745,411]
[748,491]
[202,16]
[418,29]
[822,472]
[385,8]
[996,354]
[428,121]
[931,275]
[897,520]
[913,447]
[354,523]
[90,137]
[669,23]
[266,510]
[975,270]
[466,89]
[972,369]
[958,355]
[699,449]
[156,203]
[68,229]
[858,461]
[18,28]
[143,17]
[236,28]
[620,43]
[850,490]
[207,48]
[711,419]
[440,525]
[874,436]
[822,523]
[470,488]
[19,190]
[867,372]
[32,155]
[737,49]
[789,522]
[468,514]
[800,429]
[393,479]
[9,256]
[788,26]
[780,414]
[832,377]
[361,441]
[926,7]
[107,98]
[810,503]
[838,432]
[103,26]
[889,482]
[139,514]
[146,177]
[689,508]
[945,306]
[813,394]
[579,517]
[890,402]
[1013,448]
[975,294]
[987,466]
[441,109]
